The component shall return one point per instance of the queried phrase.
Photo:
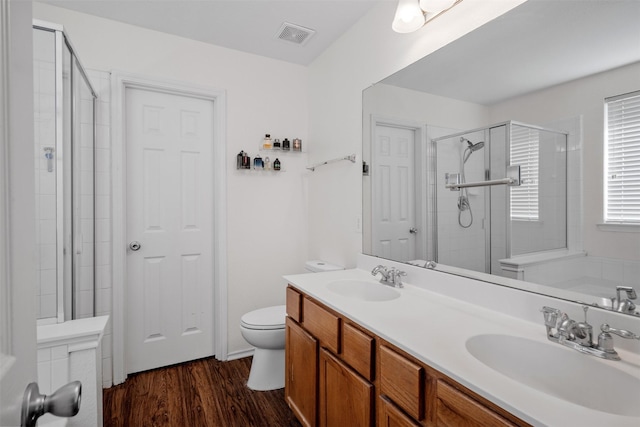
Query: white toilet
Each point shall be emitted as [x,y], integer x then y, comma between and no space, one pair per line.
[264,329]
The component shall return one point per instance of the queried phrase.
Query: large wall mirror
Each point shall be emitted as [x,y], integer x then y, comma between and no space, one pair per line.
[486,156]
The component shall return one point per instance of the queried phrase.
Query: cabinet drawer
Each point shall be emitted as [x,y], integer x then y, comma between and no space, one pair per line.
[321,324]
[456,408]
[402,381]
[357,350]
[294,304]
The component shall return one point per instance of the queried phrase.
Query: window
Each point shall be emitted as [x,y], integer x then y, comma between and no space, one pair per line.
[525,148]
[622,159]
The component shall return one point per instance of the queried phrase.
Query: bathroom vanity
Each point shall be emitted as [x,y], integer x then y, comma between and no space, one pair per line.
[361,354]
[351,363]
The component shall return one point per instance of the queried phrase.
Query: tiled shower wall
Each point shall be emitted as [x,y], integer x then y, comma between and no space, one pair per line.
[101,82]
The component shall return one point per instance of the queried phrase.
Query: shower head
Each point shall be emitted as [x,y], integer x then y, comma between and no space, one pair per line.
[470,149]
[471,146]
[476,146]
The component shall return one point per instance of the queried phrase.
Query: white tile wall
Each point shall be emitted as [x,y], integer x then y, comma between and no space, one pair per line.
[101,82]
[45,181]
[462,247]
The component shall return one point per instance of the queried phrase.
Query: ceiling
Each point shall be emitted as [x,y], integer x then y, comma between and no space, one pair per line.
[245,25]
[538,44]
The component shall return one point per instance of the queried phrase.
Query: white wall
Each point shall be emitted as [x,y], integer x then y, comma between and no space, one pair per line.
[267,217]
[367,53]
[268,214]
[583,97]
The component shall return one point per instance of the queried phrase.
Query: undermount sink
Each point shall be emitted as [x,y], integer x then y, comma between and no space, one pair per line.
[363,290]
[561,372]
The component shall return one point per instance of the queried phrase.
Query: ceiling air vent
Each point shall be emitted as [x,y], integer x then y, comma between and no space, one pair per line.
[293,33]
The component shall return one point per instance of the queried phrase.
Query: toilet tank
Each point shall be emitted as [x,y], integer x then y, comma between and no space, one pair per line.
[317,266]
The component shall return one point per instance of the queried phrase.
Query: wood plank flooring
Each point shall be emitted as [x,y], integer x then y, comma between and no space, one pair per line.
[201,393]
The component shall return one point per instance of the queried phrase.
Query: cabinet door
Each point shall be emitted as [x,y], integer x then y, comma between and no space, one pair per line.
[346,399]
[391,416]
[454,408]
[301,361]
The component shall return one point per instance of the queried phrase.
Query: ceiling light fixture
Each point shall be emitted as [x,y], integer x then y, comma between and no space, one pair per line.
[411,15]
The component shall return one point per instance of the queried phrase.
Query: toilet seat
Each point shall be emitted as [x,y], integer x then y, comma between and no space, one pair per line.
[265,318]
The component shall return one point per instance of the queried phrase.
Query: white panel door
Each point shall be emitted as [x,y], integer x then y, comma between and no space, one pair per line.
[393,198]
[169,181]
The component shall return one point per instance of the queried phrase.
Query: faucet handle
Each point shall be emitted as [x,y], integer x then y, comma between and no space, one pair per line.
[619,332]
[631,293]
[551,316]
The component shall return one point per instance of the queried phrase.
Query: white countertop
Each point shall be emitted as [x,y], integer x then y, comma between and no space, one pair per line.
[434,328]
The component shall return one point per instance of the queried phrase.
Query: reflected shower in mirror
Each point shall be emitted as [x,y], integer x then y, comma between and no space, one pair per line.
[436,135]
[491,217]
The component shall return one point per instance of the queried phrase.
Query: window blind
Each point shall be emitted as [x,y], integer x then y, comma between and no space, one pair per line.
[622,159]
[525,148]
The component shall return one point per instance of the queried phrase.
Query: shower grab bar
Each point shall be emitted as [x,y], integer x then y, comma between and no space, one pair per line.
[351,158]
[513,179]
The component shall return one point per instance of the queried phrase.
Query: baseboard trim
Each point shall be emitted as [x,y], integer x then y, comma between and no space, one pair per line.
[240,354]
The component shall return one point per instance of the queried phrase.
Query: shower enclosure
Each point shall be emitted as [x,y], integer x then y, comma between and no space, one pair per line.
[64,139]
[501,191]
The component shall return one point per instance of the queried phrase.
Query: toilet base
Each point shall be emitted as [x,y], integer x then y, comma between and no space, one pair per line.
[267,370]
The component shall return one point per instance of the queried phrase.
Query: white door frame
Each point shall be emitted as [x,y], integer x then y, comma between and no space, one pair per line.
[120,82]
[420,164]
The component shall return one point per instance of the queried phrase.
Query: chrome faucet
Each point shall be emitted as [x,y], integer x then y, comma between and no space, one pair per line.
[430,265]
[390,276]
[626,305]
[579,335]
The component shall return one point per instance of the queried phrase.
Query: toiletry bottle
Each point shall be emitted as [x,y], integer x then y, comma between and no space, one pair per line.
[276,144]
[257,162]
[246,161]
[239,158]
[297,144]
[276,165]
[266,143]
[267,163]
[285,145]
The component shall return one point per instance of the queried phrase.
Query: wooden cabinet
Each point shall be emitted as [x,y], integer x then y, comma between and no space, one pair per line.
[340,374]
[346,399]
[301,361]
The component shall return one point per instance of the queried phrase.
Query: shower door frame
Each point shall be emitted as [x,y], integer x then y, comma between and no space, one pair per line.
[508,223]
[65,307]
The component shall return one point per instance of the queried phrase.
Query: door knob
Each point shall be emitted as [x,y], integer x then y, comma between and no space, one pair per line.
[135,246]
[413,230]
[65,402]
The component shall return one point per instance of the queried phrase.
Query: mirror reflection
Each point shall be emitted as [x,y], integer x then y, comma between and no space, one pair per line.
[483,155]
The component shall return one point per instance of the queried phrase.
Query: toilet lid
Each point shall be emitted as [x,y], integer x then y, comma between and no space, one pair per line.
[265,318]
